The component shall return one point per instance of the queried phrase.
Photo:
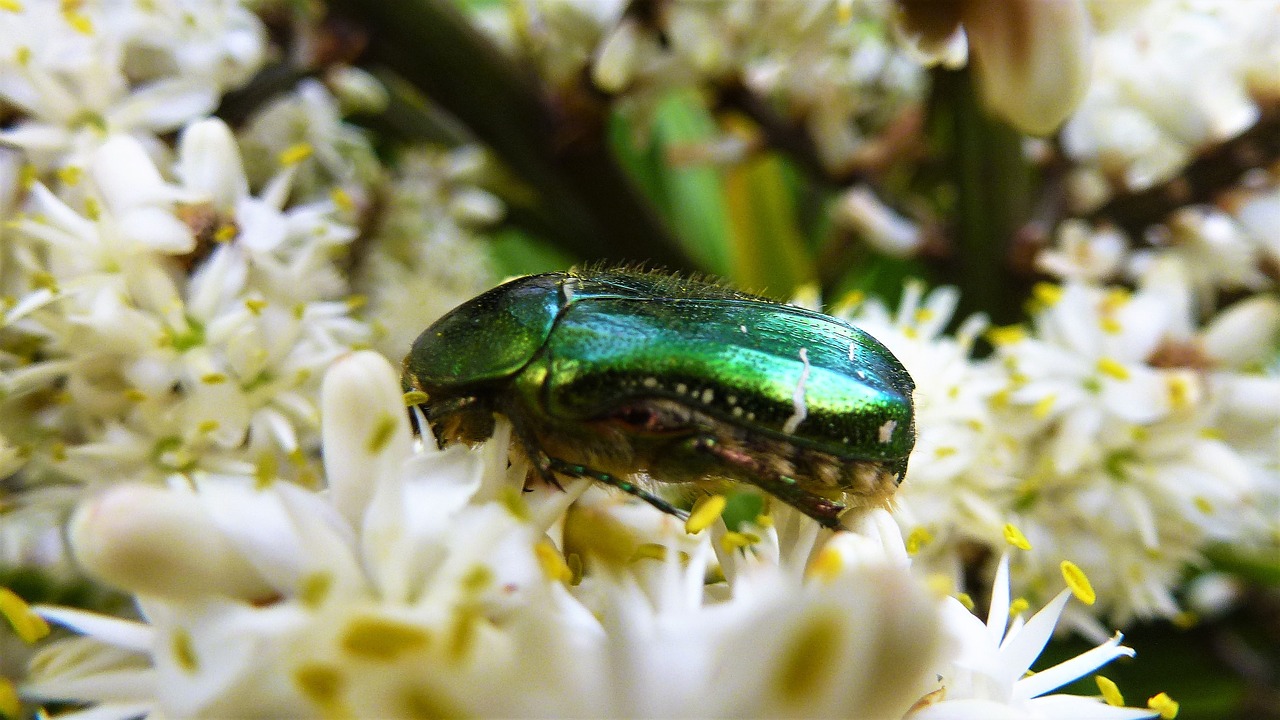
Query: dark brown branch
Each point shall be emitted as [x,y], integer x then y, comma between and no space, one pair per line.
[1210,174]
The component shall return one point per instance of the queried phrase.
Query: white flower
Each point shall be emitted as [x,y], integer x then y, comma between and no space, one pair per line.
[85,72]
[834,65]
[956,474]
[426,257]
[1085,367]
[405,591]
[877,223]
[1212,250]
[989,677]
[1169,78]
[1031,59]
[1084,255]
[166,371]
[304,129]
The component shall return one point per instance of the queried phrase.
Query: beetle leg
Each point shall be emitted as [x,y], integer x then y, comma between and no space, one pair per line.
[540,461]
[544,466]
[826,512]
[580,471]
[787,489]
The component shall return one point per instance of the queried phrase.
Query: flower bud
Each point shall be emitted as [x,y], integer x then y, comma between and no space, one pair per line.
[152,541]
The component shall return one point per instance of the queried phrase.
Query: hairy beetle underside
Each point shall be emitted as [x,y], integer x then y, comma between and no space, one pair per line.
[666,442]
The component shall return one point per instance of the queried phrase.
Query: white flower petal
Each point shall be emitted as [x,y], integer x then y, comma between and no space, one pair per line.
[1069,670]
[998,613]
[157,229]
[127,634]
[158,542]
[1022,647]
[209,161]
[365,431]
[126,175]
[1075,707]
[164,105]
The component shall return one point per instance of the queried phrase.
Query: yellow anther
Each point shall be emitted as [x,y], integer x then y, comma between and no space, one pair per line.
[1043,407]
[78,22]
[705,512]
[737,540]
[295,154]
[1078,582]
[1116,298]
[918,539]
[27,625]
[10,704]
[939,584]
[1014,537]
[225,233]
[552,562]
[1018,606]
[1165,705]
[649,551]
[70,175]
[1181,388]
[1113,368]
[1110,691]
[342,199]
[1047,294]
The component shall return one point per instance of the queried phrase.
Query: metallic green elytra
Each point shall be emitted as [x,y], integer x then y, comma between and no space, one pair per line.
[622,376]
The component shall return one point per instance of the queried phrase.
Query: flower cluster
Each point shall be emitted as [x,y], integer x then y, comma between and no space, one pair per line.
[424,578]
[834,67]
[426,257]
[187,307]
[1114,429]
[171,292]
[1170,77]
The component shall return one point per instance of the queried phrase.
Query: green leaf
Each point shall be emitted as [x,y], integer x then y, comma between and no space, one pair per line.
[693,193]
[770,252]
[1259,566]
[740,507]
[514,252]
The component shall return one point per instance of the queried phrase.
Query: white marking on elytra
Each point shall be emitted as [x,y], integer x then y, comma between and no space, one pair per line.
[737,411]
[651,382]
[681,388]
[861,375]
[743,328]
[886,430]
[707,396]
[731,399]
[853,345]
[799,410]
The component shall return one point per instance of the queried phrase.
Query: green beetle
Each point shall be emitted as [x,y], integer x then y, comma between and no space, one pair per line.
[620,374]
